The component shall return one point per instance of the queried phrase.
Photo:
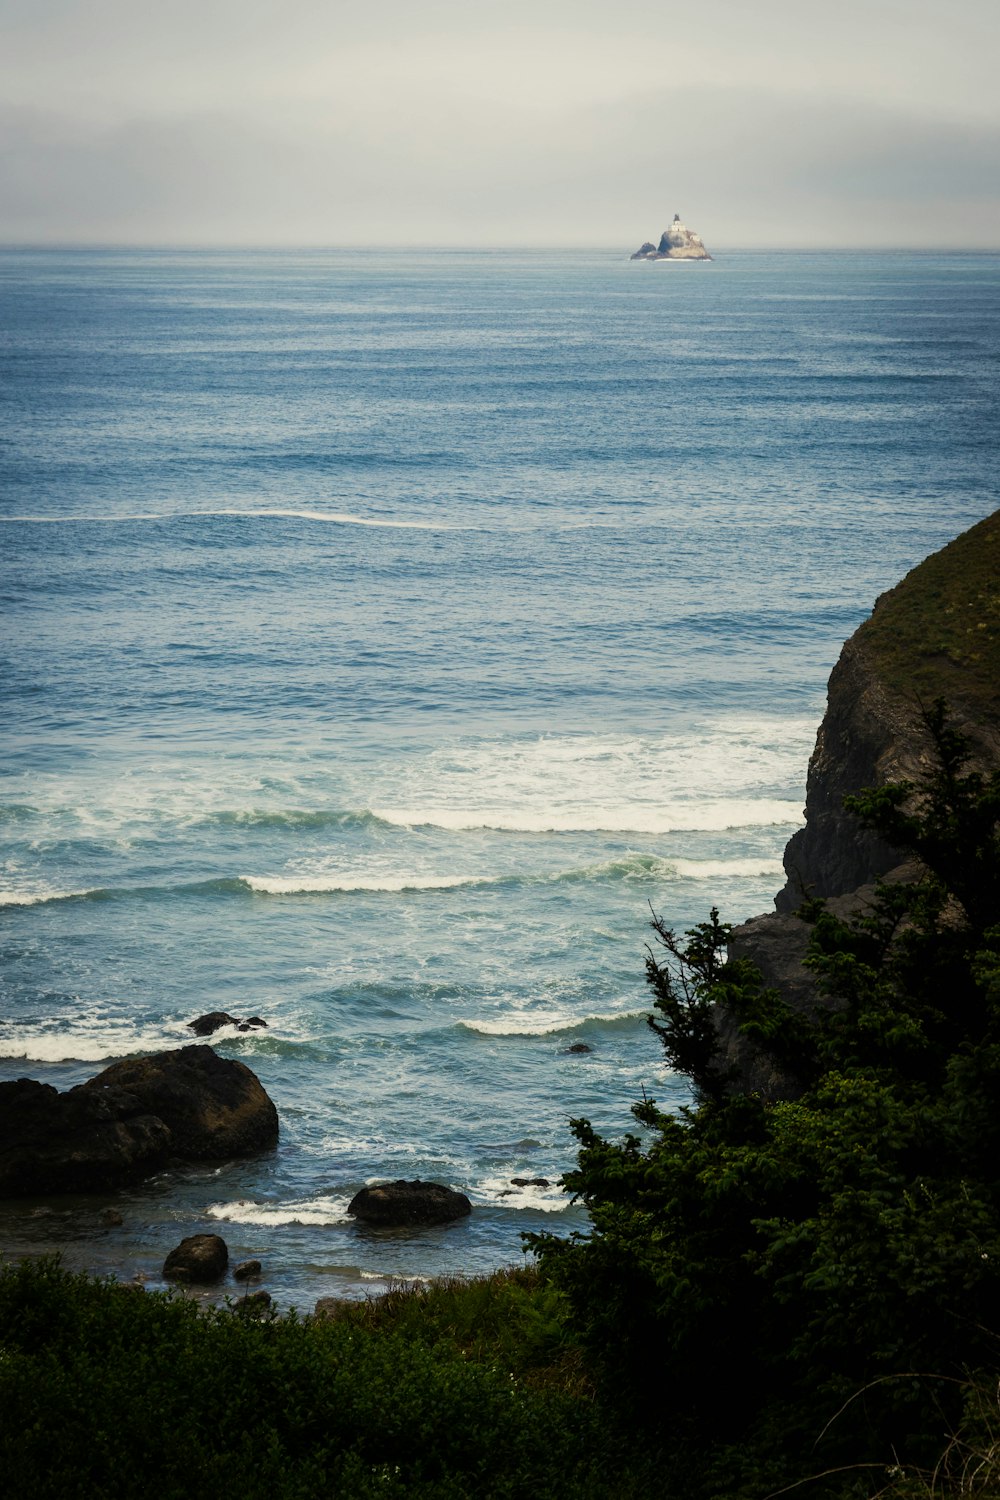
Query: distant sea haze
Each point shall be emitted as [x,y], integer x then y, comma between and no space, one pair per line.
[384,636]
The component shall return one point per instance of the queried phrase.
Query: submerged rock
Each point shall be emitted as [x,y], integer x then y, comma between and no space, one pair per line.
[332,1307]
[254,1304]
[201,1258]
[134,1118]
[246,1269]
[676,243]
[391,1205]
[215,1020]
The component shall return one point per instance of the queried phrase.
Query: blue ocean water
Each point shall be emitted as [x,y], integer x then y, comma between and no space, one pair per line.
[383,635]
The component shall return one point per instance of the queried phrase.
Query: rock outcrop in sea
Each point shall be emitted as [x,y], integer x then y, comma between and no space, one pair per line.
[391,1205]
[136,1117]
[200,1258]
[676,243]
[935,635]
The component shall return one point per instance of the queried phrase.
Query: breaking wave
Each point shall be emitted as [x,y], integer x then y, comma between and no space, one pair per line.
[541,1023]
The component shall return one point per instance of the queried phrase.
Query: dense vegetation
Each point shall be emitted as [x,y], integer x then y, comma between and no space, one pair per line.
[804,1284]
[937,633]
[464,1391]
[798,1293]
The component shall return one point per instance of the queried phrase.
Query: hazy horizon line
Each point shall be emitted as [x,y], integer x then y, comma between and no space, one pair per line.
[471,247]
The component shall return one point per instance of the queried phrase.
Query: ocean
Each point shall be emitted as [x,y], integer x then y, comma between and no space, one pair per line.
[384,636]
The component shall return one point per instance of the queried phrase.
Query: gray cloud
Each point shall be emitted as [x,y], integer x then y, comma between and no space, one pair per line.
[316,124]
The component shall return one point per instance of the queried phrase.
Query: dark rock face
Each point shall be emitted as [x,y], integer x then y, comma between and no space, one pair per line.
[214,1107]
[777,943]
[867,738]
[391,1205]
[201,1258]
[934,635]
[246,1269]
[74,1142]
[132,1119]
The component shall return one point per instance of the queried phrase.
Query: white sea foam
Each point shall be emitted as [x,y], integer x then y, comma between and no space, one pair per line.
[707,776]
[389,1278]
[337,518]
[99,1033]
[90,1036]
[289,885]
[702,776]
[37,896]
[637,867]
[357,1143]
[500,1191]
[707,816]
[319,1211]
[722,869]
[542,1023]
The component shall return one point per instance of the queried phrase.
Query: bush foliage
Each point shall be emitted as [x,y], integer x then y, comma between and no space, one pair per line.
[799,1285]
[107,1392]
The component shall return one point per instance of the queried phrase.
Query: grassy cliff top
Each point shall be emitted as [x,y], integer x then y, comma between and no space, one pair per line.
[937,633]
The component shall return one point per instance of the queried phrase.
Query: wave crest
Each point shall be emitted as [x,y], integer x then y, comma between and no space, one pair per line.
[321,1211]
[549,1024]
[330,517]
[696,817]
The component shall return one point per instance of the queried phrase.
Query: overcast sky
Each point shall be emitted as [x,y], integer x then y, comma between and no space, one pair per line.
[555,122]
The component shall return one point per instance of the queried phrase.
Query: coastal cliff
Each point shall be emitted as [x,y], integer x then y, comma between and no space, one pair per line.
[935,635]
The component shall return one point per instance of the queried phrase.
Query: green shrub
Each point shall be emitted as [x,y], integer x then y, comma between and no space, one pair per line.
[110,1392]
[754,1265]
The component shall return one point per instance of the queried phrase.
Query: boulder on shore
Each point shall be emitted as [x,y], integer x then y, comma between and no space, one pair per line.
[391,1205]
[75,1142]
[200,1258]
[137,1116]
[213,1106]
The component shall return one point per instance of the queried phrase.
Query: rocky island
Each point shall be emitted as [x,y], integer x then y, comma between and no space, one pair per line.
[676,243]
